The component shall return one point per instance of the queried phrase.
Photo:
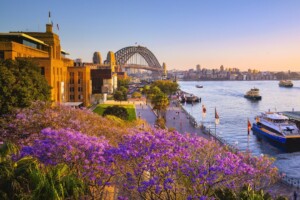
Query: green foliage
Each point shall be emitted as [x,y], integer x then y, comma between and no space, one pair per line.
[121,94]
[146,89]
[136,95]
[160,102]
[129,107]
[246,193]
[123,82]
[6,150]
[21,83]
[118,96]
[117,111]
[153,91]
[166,86]
[28,179]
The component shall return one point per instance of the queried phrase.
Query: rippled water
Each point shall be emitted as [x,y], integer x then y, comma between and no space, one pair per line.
[234,110]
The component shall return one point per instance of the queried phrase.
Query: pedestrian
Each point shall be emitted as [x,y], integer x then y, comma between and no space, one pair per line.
[295,195]
[174,118]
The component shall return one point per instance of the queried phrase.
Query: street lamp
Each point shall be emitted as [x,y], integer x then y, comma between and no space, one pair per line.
[236,144]
[208,129]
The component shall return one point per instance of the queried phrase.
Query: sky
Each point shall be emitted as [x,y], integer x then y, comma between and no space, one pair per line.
[256,34]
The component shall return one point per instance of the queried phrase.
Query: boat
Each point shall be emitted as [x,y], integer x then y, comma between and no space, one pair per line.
[253,94]
[286,83]
[199,86]
[189,98]
[278,129]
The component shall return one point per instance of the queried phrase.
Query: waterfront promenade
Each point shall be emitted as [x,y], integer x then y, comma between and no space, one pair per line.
[175,118]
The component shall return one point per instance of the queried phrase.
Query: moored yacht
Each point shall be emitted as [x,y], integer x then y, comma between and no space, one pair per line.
[278,129]
[253,94]
[286,83]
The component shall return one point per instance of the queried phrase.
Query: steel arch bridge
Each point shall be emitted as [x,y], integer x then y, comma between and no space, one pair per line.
[123,55]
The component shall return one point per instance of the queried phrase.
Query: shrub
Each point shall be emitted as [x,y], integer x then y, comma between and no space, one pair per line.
[117,111]
[136,95]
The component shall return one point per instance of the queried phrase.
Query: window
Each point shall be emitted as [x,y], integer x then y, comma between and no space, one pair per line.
[43,71]
[79,89]
[1,55]
[30,44]
[79,97]
[71,89]
[72,97]
[80,77]
[71,77]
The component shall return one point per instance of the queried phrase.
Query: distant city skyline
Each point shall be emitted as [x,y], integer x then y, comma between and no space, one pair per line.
[263,35]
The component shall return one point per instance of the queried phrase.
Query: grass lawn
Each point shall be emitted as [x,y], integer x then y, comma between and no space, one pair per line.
[130,109]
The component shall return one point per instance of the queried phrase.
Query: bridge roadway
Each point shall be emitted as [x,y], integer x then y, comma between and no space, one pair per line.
[135,66]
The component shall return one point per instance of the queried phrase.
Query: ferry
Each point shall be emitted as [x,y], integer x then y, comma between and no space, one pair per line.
[286,83]
[199,86]
[253,94]
[278,129]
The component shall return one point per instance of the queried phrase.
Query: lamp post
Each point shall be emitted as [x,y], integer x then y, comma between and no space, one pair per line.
[208,129]
[236,144]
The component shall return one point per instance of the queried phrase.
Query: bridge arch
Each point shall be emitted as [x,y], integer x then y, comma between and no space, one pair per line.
[124,54]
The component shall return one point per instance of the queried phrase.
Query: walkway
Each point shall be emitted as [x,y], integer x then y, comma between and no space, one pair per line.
[175,118]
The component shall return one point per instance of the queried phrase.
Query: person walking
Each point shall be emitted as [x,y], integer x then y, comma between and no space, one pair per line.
[295,195]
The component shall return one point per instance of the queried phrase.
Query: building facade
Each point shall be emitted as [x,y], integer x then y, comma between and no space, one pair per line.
[44,48]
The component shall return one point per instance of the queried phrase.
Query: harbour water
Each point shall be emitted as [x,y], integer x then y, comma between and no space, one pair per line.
[234,110]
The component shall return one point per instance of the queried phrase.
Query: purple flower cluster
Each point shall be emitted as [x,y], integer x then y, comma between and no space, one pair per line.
[157,165]
[162,162]
[83,153]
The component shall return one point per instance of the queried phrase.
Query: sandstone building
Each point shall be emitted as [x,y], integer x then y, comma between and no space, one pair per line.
[69,83]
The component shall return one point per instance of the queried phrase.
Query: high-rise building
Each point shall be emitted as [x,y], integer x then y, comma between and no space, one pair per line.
[221,68]
[198,68]
[164,69]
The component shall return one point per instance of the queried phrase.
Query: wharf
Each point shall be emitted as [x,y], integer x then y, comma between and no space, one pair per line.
[294,116]
[187,97]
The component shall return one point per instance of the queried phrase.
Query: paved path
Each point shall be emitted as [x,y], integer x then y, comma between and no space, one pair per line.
[175,118]
[145,112]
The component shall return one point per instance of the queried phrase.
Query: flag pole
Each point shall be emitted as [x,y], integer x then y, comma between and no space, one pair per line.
[49,18]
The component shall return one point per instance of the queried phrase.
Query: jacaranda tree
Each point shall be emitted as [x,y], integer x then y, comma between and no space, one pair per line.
[158,165]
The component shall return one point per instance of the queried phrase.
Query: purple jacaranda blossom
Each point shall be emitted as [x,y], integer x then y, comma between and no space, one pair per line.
[85,153]
[162,161]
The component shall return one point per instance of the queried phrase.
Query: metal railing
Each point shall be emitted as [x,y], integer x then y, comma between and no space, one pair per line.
[290,181]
